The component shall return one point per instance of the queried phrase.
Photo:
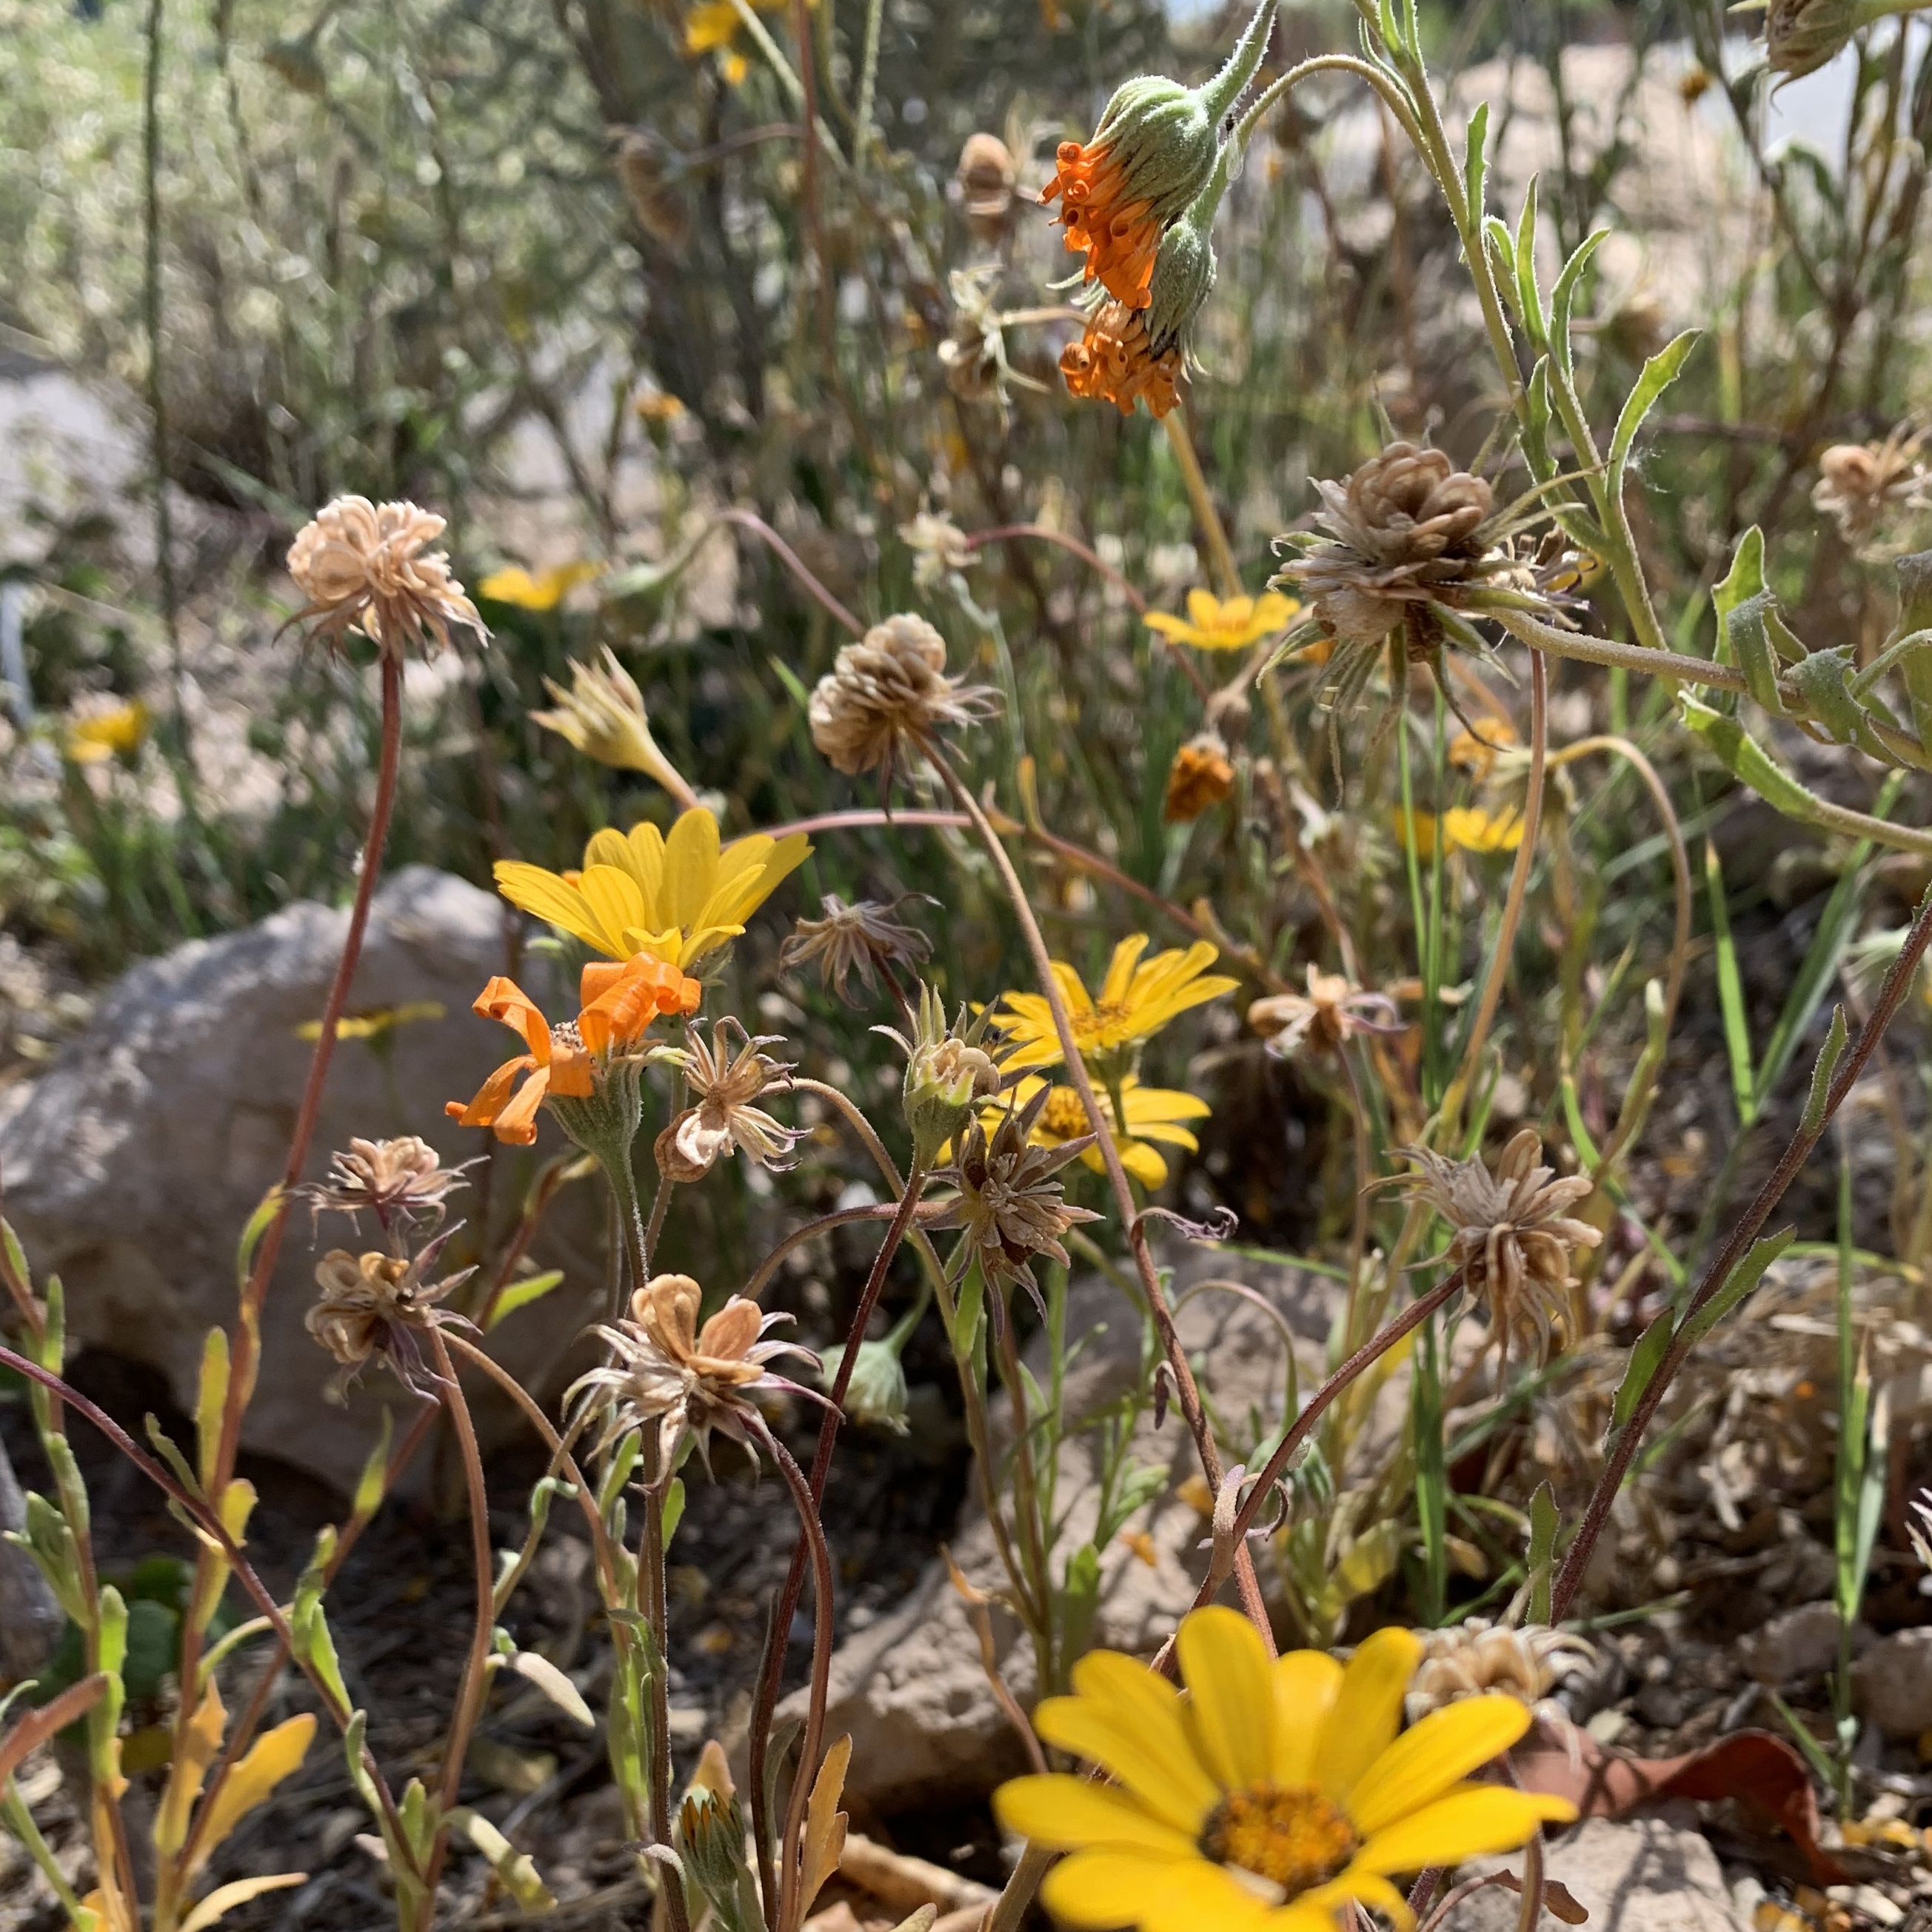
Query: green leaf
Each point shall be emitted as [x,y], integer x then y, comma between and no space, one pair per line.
[259,1222]
[1528,296]
[1646,1352]
[1564,295]
[1738,1283]
[1476,165]
[1730,991]
[1432,1475]
[792,681]
[1079,1599]
[209,1402]
[373,1481]
[674,1509]
[1822,1069]
[521,1294]
[1543,1523]
[513,1868]
[1659,372]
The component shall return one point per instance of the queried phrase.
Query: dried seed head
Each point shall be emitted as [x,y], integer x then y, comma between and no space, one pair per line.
[1476,1656]
[1858,483]
[863,938]
[726,1084]
[371,1304]
[986,175]
[887,693]
[1407,528]
[398,1179]
[362,565]
[1200,776]
[1010,1205]
[1513,1237]
[667,1372]
[1331,1013]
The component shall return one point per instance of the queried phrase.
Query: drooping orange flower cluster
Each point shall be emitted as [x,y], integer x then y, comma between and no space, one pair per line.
[617,1003]
[1117,231]
[1115,361]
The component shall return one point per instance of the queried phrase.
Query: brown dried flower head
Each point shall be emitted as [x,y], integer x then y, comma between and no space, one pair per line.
[1010,1204]
[399,1179]
[1475,1657]
[939,547]
[1327,1017]
[887,693]
[986,175]
[863,938]
[667,1372]
[726,1084]
[1514,1235]
[1406,530]
[373,1304]
[1800,36]
[1202,776]
[648,171]
[364,566]
[1858,483]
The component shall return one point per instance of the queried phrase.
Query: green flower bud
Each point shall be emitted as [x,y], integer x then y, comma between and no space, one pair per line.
[876,1396]
[947,1071]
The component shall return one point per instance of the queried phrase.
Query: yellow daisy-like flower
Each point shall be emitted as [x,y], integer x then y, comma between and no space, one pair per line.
[1214,624]
[118,732]
[1467,828]
[544,592]
[675,899]
[713,26]
[1137,999]
[1269,1795]
[1153,1113]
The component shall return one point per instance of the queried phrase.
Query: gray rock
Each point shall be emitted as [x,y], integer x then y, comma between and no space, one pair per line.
[1653,1874]
[1796,1644]
[910,1688]
[1891,1683]
[133,1165]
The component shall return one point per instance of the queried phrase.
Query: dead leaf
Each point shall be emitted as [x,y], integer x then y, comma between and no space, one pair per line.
[271,1757]
[37,1727]
[201,1741]
[225,1897]
[824,1825]
[1765,1774]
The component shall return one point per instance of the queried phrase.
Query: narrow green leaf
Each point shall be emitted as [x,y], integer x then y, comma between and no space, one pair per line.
[1544,1521]
[374,1480]
[1822,1069]
[210,1401]
[1744,580]
[1801,1734]
[1432,1475]
[1659,372]
[1730,991]
[674,1509]
[1528,296]
[1476,165]
[521,1294]
[1646,1352]
[1564,295]
[1737,1285]
[259,1224]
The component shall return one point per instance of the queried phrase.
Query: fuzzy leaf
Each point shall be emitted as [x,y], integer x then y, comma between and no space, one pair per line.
[1737,1285]
[209,1401]
[513,1867]
[557,1688]
[1659,372]
[225,1897]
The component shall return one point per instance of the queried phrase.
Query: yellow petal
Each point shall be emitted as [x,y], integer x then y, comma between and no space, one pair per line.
[646,866]
[1355,1883]
[1225,1665]
[1120,967]
[531,889]
[1368,1711]
[1306,1683]
[611,848]
[1275,611]
[1144,1703]
[690,866]
[1105,1886]
[615,904]
[1139,1160]
[1440,1751]
[1067,1813]
[1199,1897]
[1467,1824]
[1153,1760]
[1170,626]
[1204,608]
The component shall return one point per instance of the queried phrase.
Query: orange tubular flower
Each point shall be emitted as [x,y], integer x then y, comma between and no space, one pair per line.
[1118,234]
[1114,362]
[618,1001]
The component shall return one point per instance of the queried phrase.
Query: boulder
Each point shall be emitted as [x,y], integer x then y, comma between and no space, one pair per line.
[1655,1874]
[1796,1645]
[1891,1683]
[910,1688]
[133,1165]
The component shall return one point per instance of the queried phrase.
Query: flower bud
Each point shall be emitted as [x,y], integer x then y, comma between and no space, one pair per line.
[946,1072]
[1800,36]
[875,1397]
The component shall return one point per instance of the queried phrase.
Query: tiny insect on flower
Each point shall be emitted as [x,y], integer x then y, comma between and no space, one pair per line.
[1275,1794]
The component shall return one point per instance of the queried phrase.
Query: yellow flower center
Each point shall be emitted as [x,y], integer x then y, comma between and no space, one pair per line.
[1064,1116]
[1288,1835]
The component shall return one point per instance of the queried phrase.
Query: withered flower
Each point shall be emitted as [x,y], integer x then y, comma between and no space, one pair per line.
[887,693]
[1476,1656]
[397,1180]
[939,549]
[1201,775]
[862,938]
[1800,36]
[668,1373]
[1514,1236]
[1328,1015]
[1009,1205]
[1857,483]
[363,566]
[650,172]
[726,1084]
[603,714]
[986,175]
[375,1304]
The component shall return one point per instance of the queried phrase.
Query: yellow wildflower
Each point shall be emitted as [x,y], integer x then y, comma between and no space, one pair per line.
[1153,1113]
[713,26]
[1465,827]
[98,736]
[377,1024]
[1475,751]
[544,591]
[1137,999]
[1272,1796]
[1214,624]
[676,898]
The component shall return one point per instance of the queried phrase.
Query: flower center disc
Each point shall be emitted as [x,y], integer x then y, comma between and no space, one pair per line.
[1289,1834]
[1064,1116]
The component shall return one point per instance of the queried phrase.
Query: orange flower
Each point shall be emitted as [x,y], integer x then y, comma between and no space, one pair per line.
[1117,230]
[617,1002]
[1114,362]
